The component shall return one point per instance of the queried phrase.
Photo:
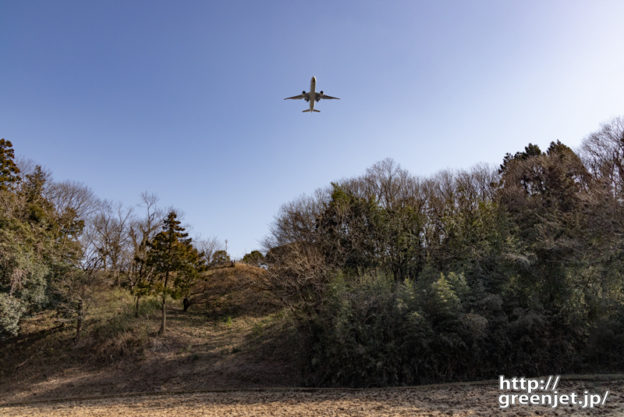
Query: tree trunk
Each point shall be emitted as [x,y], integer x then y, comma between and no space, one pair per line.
[163,315]
[136,306]
[164,301]
[186,303]
[79,319]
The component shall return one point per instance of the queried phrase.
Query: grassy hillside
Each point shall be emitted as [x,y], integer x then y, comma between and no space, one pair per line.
[233,291]
[232,336]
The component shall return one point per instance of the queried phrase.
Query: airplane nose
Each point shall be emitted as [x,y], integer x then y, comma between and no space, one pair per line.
[314,79]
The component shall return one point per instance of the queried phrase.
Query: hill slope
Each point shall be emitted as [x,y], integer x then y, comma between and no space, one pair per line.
[231,337]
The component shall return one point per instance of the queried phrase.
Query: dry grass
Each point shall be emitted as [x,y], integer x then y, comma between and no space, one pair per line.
[194,354]
[120,354]
[233,291]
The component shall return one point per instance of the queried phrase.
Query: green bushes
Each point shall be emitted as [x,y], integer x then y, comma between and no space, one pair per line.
[373,331]
[357,337]
[605,350]
[11,310]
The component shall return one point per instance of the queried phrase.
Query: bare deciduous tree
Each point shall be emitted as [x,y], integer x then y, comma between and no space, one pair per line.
[603,154]
[140,232]
[209,247]
[76,196]
[110,229]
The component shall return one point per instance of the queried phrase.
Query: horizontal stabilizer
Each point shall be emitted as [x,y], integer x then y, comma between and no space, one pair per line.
[306,110]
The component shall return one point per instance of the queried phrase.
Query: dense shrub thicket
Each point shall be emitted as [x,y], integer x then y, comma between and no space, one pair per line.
[519,270]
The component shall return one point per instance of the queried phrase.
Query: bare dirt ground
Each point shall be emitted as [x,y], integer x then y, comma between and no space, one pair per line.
[478,399]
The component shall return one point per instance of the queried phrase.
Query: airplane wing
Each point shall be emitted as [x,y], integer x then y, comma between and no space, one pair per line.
[324,96]
[300,96]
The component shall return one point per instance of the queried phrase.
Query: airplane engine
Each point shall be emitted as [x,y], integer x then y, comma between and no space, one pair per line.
[303,92]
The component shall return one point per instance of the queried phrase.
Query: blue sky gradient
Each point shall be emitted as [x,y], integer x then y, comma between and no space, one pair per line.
[184,99]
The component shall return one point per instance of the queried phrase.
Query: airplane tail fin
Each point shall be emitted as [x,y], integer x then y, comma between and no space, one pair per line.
[314,110]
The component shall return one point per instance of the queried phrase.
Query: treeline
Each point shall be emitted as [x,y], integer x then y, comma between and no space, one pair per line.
[519,270]
[58,241]
[391,279]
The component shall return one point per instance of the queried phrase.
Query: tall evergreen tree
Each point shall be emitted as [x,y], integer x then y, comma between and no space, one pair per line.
[8,168]
[173,258]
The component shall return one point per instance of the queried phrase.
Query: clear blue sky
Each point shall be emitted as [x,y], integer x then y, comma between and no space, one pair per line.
[184,98]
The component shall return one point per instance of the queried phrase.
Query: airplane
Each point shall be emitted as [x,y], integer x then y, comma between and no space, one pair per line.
[312,96]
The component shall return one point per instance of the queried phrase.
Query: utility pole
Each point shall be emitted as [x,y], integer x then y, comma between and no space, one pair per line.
[225,245]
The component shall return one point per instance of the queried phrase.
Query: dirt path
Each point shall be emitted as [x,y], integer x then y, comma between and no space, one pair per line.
[437,400]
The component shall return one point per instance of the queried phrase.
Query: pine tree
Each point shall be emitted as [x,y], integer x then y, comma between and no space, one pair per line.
[174,260]
[194,263]
[8,169]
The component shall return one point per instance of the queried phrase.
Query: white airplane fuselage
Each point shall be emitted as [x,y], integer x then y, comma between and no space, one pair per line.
[312,93]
